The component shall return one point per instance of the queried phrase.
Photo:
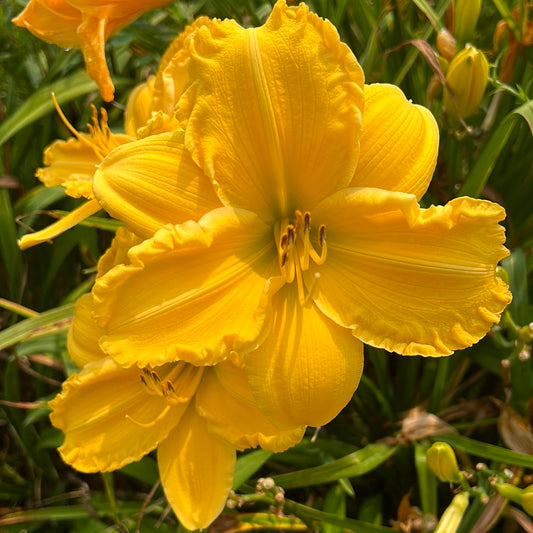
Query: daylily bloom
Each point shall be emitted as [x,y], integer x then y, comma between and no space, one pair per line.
[196,417]
[149,110]
[306,238]
[86,24]
[72,164]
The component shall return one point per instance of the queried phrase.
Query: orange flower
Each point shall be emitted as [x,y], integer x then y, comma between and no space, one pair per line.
[86,24]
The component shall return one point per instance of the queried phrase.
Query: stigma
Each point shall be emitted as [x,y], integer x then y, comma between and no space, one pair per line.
[295,251]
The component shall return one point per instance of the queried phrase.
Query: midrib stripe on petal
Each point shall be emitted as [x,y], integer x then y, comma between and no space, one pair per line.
[266,111]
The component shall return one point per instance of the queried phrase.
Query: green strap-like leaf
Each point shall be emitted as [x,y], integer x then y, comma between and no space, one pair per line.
[352,465]
[487,451]
[47,322]
[482,169]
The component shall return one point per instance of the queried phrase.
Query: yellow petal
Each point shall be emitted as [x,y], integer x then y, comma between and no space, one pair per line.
[93,410]
[413,281]
[273,114]
[196,469]
[53,21]
[225,399]
[63,224]
[139,107]
[194,292]
[83,335]
[308,367]
[152,182]
[72,163]
[117,253]
[92,34]
[118,9]
[172,74]
[399,143]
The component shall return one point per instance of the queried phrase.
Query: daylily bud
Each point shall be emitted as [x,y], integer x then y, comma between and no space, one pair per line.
[446,44]
[442,462]
[465,16]
[523,497]
[452,516]
[466,81]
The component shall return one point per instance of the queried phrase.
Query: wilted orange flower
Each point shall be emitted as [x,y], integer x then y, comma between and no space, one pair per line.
[86,24]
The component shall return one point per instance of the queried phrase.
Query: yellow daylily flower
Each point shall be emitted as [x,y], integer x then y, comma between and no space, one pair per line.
[320,245]
[112,415]
[86,24]
[72,163]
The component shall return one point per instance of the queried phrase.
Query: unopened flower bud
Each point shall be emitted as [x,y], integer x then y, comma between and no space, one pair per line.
[466,81]
[452,516]
[523,497]
[442,462]
[446,44]
[465,17]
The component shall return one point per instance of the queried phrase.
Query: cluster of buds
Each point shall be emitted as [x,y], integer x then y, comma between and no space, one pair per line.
[466,70]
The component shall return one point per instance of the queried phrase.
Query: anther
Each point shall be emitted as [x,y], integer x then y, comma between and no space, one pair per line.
[307,221]
[322,234]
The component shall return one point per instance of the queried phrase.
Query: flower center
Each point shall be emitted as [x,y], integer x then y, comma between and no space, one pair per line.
[99,132]
[295,250]
[174,382]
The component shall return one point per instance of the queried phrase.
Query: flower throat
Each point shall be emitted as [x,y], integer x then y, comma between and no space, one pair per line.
[295,251]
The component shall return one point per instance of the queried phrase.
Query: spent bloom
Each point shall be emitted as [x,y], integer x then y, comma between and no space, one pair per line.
[196,416]
[84,24]
[303,237]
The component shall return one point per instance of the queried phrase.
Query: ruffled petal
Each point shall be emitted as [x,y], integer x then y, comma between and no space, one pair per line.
[196,469]
[194,292]
[53,21]
[226,401]
[84,333]
[63,224]
[413,281]
[152,182]
[308,367]
[273,114]
[100,411]
[173,74]
[399,143]
[117,253]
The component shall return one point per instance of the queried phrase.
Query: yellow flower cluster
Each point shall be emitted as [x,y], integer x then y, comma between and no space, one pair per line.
[271,227]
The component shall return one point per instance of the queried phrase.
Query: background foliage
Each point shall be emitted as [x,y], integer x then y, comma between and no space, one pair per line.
[365,471]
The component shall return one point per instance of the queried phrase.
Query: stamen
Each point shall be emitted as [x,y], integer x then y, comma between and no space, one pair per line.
[93,130]
[157,419]
[163,387]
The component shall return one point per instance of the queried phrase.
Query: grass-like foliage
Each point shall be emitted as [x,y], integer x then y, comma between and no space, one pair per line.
[367,470]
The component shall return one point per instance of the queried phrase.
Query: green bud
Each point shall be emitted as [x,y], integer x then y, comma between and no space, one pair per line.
[465,17]
[523,497]
[442,462]
[466,80]
[452,516]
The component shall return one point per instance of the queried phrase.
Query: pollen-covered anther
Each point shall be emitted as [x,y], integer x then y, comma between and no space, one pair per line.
[295,251]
